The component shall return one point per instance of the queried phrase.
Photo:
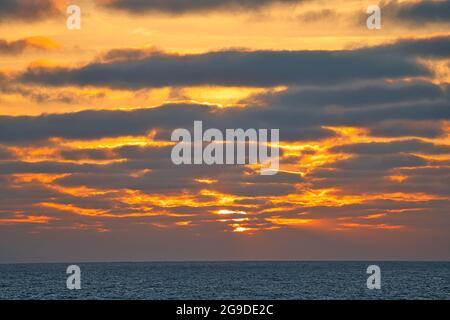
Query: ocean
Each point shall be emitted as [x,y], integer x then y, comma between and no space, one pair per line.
[227,280]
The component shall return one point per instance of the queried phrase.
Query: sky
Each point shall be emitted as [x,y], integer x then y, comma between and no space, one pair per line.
[86,117]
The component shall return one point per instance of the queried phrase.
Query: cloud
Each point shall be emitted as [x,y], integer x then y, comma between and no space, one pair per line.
[99,123]
[176,7]
[91,154]
[49,167]
[408,128]
[129,54]
[5,154]
[433,47]
[249,68]
[21,45]
[143,189]
[389,161]
[355,95]
[419,13]
[27,10]
[377,148]
[413,109]
[300,113]
[318,15]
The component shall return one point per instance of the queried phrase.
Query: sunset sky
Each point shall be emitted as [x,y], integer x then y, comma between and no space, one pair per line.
[86,117]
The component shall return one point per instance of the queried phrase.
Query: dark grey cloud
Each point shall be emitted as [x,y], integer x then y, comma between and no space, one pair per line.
[377,180]
[90,154]
[434,47]
[174,180]
[2,76]
[165,119]
[27,10]
[408,128]
[193,6]
[419,13]
[300,114]
[428,171]
[166,178]
[256,189]
[15,47]
[385,162]
[99,123]
[159,182]
[410,145]
[411,111]
[40,95]
[355,96]
[129,54]
[5,154]
[249,68]
[50,167]
[150,170]
[434,181]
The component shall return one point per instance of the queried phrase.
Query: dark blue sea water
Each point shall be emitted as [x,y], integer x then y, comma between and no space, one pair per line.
[227,280]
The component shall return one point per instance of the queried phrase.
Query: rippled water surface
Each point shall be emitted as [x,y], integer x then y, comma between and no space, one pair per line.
[227,280]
